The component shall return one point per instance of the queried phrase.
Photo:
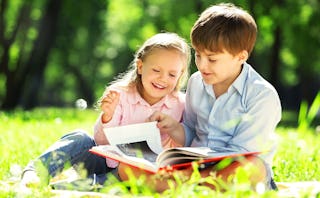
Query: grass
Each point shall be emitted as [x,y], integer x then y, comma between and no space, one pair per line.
[26,134]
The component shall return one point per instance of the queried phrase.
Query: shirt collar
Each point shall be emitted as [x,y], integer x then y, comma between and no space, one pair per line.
[239,83]
[136,98]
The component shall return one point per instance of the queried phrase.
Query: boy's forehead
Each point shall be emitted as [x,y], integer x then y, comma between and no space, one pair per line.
[209,52]
[213,47]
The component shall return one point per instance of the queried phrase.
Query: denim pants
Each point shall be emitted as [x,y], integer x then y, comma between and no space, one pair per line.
[72,148]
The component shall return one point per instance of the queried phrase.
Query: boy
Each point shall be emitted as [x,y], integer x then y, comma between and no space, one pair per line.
[229,106]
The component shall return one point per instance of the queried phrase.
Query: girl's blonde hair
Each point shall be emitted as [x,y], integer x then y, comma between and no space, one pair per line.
[170,41]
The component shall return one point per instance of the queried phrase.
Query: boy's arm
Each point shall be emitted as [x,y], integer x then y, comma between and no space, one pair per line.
[168,125]
[189,116]
[256,129]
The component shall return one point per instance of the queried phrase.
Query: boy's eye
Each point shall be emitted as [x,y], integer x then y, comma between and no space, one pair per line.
[211,60]
[155,70]
[172,75]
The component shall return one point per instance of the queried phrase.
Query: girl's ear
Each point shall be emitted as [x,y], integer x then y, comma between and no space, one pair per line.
[139,66]
[243,56]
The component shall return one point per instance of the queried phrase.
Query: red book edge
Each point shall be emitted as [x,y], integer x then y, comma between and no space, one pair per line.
[182,165]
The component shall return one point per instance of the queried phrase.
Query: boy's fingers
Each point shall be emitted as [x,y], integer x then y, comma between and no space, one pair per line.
[156,116]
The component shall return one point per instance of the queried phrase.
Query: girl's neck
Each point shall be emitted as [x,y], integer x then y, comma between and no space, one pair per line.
[149,100]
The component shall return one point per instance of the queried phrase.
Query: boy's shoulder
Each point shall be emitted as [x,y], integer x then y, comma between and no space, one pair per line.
[256,86]
[256,80]
[195,77]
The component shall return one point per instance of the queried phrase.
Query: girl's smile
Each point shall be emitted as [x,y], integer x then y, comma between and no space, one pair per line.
[160,72]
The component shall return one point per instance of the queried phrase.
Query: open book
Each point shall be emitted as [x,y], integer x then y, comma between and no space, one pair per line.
[139,145]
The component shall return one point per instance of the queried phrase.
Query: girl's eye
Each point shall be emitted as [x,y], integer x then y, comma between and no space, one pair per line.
[172,75]
[155,70]
[210,60]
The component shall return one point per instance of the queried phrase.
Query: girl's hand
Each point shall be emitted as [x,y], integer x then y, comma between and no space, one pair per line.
[108,105]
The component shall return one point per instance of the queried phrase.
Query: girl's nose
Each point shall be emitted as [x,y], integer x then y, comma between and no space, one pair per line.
[162,76]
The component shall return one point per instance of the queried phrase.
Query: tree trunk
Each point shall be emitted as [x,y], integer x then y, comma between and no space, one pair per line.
[275,58]
[29,79]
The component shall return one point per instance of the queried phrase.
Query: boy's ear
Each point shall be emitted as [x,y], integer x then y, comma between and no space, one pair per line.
[139,66]
[243,56]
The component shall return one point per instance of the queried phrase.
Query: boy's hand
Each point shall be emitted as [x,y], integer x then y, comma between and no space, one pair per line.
[168,125]
[109,104]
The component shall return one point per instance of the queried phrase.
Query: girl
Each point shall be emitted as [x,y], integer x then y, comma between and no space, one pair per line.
[157,73]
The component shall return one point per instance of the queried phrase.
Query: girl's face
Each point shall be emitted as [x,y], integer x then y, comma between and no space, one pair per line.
[160,72]
[219,69]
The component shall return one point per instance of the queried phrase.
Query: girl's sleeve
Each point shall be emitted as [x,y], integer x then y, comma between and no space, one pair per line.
[99,135]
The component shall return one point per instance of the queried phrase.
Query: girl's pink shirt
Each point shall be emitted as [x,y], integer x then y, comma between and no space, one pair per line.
[134,109]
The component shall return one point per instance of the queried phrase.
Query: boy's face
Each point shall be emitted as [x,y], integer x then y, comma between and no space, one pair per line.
[219,68]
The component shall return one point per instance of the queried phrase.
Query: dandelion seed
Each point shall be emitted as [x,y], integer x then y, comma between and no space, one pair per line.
[81,104]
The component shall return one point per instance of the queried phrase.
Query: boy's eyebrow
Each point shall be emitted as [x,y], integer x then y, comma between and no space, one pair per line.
[207,54]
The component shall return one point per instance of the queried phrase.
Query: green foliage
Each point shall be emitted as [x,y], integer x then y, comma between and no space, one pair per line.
[25,134]
[308,115]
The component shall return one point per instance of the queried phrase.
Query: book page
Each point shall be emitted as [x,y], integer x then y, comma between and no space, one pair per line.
[180,155]
[138,149]
[126,134]
[113,152]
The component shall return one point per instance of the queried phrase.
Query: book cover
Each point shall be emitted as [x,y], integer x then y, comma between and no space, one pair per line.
[139,145]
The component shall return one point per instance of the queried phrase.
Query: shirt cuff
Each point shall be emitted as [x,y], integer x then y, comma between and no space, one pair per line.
[188,135]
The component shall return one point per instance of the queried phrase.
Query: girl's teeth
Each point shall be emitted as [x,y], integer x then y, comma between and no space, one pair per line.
[159,86]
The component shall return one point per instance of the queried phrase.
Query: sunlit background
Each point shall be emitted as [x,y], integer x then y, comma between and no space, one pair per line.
[54,52]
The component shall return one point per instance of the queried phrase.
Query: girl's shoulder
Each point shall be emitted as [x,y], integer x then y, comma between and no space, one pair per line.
[178,97]
[128,94]
[122,89]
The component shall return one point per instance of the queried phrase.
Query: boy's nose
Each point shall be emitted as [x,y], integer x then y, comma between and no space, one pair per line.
[201,64]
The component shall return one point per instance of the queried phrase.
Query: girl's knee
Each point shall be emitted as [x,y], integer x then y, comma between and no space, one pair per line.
[79,137]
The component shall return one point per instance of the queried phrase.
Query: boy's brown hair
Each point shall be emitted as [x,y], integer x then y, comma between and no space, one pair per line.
[224,27]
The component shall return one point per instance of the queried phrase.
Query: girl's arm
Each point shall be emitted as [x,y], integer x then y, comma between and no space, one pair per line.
[108,106]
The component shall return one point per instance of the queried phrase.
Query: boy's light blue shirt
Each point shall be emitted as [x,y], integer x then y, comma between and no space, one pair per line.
[244,118]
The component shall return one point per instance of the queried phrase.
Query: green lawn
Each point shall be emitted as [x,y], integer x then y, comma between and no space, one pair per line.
[24,135]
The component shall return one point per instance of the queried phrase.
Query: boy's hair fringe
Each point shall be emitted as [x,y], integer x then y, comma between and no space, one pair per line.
[224,27]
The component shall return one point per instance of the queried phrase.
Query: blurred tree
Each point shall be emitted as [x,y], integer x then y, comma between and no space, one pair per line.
[288,47]
[78,53]
[54,52]
[23,63]
[60,35]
